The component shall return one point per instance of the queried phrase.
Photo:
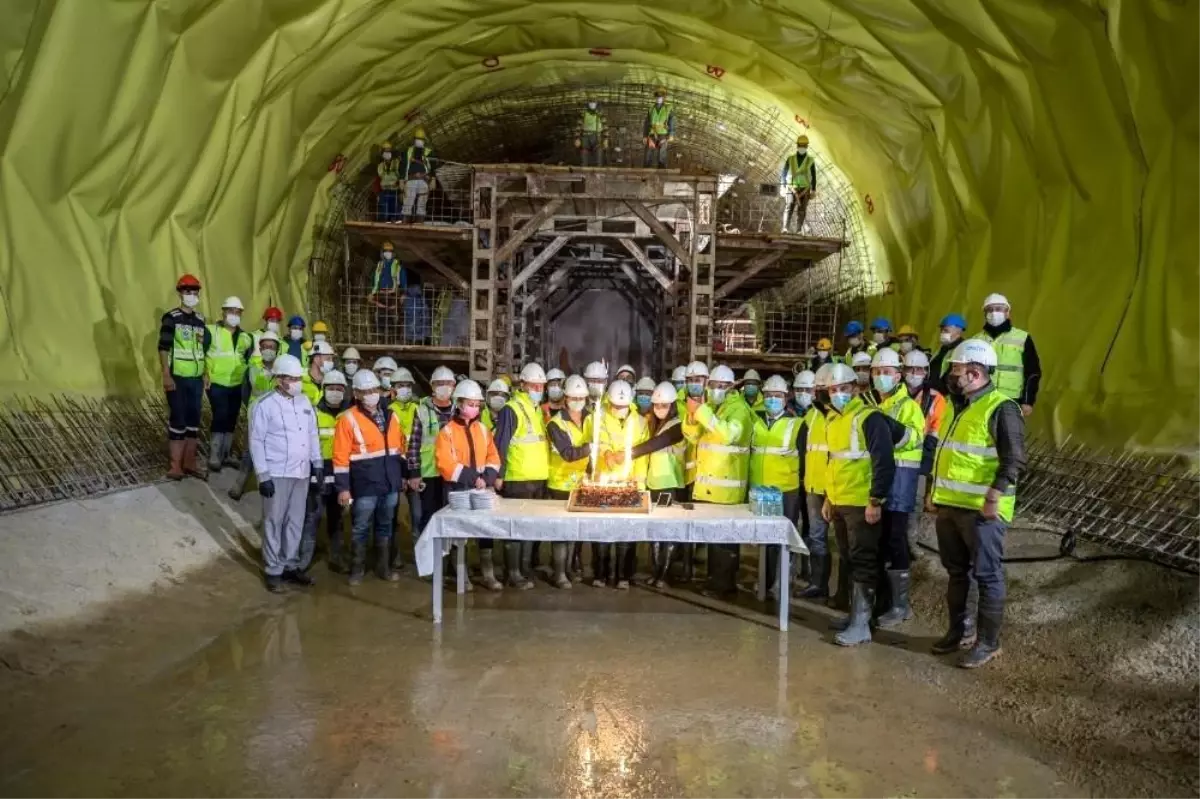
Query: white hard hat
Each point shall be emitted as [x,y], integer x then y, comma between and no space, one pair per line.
[886,356]
[402,375]
[679,373]
[996,299]
[575,387]
[664,393]
[333,378]
[365,380]
[269,335]
[775,383]
[860,359]
[467,389]
[751,374]
[645,384]
[916,359]
[722,374]
[385,363]
[627,368]
[350,354]
[595,371]
[287,366]
[532,373]
[840,374]
[805,379]
[824,372]
[974,350]
[555,374]
[498,386]
[442,373]
[697,369]
[322,348]
[233,302]
[619,393]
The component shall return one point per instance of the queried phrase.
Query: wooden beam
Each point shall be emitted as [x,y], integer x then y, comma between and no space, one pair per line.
[548,252]
[660,230]
[426,254]
[528,229]
[756,264]
[640,256]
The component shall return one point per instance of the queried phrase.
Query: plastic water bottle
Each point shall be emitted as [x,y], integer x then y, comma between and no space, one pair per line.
[777,497]
[756,501]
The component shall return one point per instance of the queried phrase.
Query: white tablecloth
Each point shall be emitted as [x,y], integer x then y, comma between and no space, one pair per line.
[548,520]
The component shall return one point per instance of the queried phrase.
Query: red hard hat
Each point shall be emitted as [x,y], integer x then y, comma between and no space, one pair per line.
[187,281]
[273,314]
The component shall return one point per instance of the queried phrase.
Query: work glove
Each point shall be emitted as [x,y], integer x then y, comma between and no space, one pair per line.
[267,489]
[318,475]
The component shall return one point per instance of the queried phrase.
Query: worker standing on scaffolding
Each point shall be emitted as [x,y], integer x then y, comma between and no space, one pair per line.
[418,179]
[800,176]
[388,170]
[659,130]
[183,344]
[591,138]
[386,284]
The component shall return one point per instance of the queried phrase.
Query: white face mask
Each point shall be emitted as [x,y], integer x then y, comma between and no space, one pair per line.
[318,337]
[661,411]
[403,393]
[293,388]
[268,355]
[659,100]
[351,367]
[497,401]
[555,393]
[879,338]
[273,327]
[295,334]
[576,405]
[801,151]
[370,400]
[906,346]
[387,155]
[388,255]
[326,366]
[595,390]
[947,337]
[418,142]
[442,392]
[591,106]
[232,319]
[191,300]
[854,341]
[385,381]
[914,381]
[334,397]
[620,413]
[996,318]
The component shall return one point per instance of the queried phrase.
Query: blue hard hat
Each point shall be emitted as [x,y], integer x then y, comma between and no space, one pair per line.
[296,321]
[954,320]
[854,328]
[880,323]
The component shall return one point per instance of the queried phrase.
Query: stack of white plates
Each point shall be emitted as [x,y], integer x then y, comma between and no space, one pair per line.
[460,500]
[483,499]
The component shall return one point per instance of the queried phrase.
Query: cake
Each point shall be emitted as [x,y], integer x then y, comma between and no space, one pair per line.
[608,495]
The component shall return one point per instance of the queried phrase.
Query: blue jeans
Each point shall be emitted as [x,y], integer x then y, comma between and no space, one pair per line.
[389,205]
[817,537]
[972,547]
[376,513]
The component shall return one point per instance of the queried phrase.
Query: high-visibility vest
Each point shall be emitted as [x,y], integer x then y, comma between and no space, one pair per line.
[1010,361]
[395,270]
[367,461]
[666,467]
[904,409]
[800,170]
[424,160]
[592,122]
[527,457]
[389,174]
[774,457]
[723,453]
[326,424]
[187,350]
[406,412]
[659,117]
[227,357]
[966,461]
[310,388]
[261,380]
[870,349]
[485,419]
[849,476]
[427,417]
[816,453]
[615,435]
[565,475]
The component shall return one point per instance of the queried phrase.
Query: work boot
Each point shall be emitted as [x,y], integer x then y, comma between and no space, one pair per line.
[625,563]
[818,587]
[558,556]
[689,562]
[662,564]
[215,442]
[859,631]
[528,564]
[487,570]
[987,644]
[190,467]
[383,561]
[298,577]
[175,450]
[274,583]
[914,550]
[841,599]
[722,573]
[512,564]
[900,611]
[227,456]
[243,477]
[450,570]
[950,642]
[358,562]
[576,570]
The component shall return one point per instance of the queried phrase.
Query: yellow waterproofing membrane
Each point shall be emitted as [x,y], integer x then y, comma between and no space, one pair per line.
[1047,150]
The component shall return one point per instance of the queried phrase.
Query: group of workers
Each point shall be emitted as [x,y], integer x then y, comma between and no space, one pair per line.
[848,444]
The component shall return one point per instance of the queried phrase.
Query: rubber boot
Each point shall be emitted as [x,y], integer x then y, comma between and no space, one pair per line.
[227,452]
[601,564]
[243,477]
[175,449]
[576,569]
[358,562]
[215,442]
[900,611]
[960,634]
[535,559]
[527,565]
[987,645]
[689,562]
[662,564]
[624,565]
[383,561]
[722,573]
[841,599]
[558,555]
[818,588]
[512,563]
[190,467]
[487,568]
[914,551]
[859,631]
[772,564]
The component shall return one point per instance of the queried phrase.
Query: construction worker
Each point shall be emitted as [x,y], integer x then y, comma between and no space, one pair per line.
[498,393]
[776,459]
[432,414]
[591,139]
[696,382]
[388,283]
[974,492]
[799,175]
[183,344]
[621,429]
[752,390]
[297,347]
[350,361]
[823,355]
[286,452]
[320,332]
[859,476]
[272,319]
[384,368]
[855,341]
[1018,369]
[643,395]
[466,458]
[933,408]
[667,451]
[418,321]
[813,473]
[368,473]
[907,340]
[418,175]
[227,362]
[679,377]
[595,374]
[860,362]
[320,363]
[260,383]
[554,393]
[951,335]
[627,374]
[521,441]
[570,454]
[891,394]
[721,427]
[322,498]
[881,333]
[658,130]
[399,395]
[388,170]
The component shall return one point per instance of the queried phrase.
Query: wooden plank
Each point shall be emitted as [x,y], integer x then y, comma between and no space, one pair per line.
[528,229]
[756,264]
[640,256]
[660,230]
[404,232]
[426,254]
[537,263]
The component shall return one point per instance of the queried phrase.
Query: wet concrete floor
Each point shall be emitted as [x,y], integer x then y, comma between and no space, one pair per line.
[588,693]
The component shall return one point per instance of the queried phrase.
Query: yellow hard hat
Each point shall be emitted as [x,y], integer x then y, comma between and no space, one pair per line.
[507,379]
[387,246]
[419,133]
[802,139]
[387,145]
[906,330]
[825,344]
[320,327]
[661,90]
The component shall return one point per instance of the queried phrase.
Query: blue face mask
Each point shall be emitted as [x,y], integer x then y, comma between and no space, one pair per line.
[774,405]
[751,391]
[695,390]
[678,384]
[717,395]
[535,396]
[804,400]
[885,383]
[839,400]
[643,403]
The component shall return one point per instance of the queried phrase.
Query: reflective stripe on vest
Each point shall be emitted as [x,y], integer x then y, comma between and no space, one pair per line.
[659,117]
[326,424]
[227,358]
[430,427]
[666,469]
[772,461]
[799,171]
[849,475]
[187,351]
[966,462]
[1010,360]
[527,458]
[592,122]
[816,457]
[565,475]
[395,271]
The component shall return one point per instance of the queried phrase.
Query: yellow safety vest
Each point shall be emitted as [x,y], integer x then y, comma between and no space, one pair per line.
[722,452]
[799,171]
[406,414]
[326,422]
[774,456]
[527,457]
[310,388]
[659,117]
[666,467]
[565,475]
[227,358]
[430,427]
[187,350]
[849,475]
[1010,361]
[592,122]
[816,453]
[261,380]
[395,270]
[966,461]
[389,173]
[905,410]
[615,435]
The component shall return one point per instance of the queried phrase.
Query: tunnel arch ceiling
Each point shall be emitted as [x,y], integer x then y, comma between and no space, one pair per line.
[1044,150]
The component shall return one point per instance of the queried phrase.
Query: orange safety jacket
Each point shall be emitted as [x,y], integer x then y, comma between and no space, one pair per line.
[466,451]
[367,461]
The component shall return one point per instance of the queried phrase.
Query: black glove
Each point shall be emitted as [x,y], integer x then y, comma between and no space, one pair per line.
[267,488]
[318,474]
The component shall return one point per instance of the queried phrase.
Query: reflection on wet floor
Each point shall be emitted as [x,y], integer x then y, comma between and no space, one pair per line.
[587,693]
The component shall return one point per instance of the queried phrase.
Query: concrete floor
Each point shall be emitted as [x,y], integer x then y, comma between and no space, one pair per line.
[216,688]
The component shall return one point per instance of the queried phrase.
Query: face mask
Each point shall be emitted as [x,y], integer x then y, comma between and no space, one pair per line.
[351,367]
[862,377]
[295,334]
[555,393]
[620,413]
[268,355]
[822,355]
[804,400]
[774,405]
[418,143]
[386,382]
[695,390]
[885,383]
[326,367]
[591,106]
[318,337]
[534,396]
[678,384]
[387,256]
[643,403]
[191,300]
[293,388]
[659,100]
[334,398]
[576,406]
[839,400]
[442,392]
[370,401]
[751,392]
[232,319]
[661,412]
[906,346]
[387,155]
[496,401]
[801,151]
[273,327]
[468,412]
[915,382]
[855,341]
[595,390]
[717,395]
[996,318]
[403,393]
[879,338]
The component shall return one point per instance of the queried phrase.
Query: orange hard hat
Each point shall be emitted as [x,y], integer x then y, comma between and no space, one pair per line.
[187,281]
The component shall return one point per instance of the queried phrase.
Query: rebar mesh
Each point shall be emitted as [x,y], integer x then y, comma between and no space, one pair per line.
[772,328]
[421,315]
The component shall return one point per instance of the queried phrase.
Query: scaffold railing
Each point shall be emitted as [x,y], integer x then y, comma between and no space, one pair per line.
[422,315]
[762,327]
[447,201]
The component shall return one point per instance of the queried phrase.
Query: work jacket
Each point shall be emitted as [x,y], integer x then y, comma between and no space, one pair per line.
[722,439]
[465,451]
[367,461]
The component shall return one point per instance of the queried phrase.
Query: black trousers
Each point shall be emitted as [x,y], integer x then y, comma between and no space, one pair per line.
[864,539]
[183,408]
[226,404]
[895,531]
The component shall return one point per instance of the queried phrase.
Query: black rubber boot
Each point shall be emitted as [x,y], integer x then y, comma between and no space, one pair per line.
[528,566]
[841,599]
[383,561]
[722,572]
[689,562]
[216,444]
[819,587]
[859,631]
[601,564]
[625,564]
[900,610]
[987,646]
[576,570]
[961,631]
[358,562]
[662,564]
[274,583]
